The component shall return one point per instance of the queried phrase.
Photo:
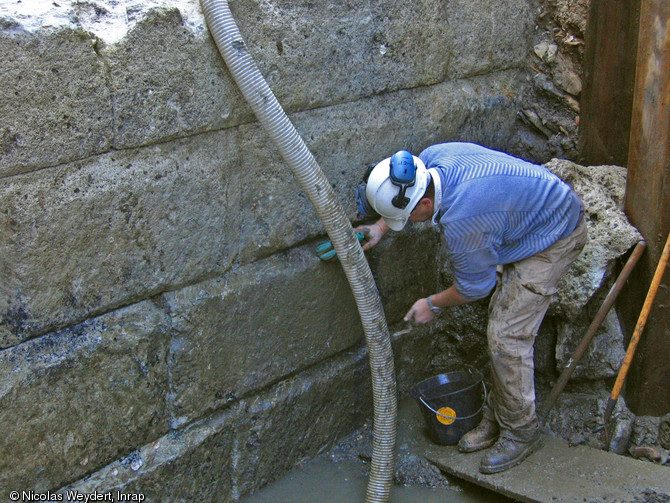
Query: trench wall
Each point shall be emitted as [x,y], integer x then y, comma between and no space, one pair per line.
[164,324]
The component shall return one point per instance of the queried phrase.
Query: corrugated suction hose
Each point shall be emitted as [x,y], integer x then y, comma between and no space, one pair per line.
[270,114]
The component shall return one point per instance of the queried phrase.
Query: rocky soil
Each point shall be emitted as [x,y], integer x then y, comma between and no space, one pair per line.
[548,124]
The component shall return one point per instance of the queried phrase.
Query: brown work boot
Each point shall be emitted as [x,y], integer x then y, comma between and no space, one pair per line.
[509,452]
[483,436]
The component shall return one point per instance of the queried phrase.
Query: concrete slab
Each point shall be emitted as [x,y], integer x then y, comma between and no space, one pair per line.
[556,473]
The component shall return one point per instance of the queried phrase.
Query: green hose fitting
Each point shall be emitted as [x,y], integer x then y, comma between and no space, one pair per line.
[326,251]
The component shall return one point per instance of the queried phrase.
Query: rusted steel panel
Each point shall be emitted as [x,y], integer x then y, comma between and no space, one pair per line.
[648,204]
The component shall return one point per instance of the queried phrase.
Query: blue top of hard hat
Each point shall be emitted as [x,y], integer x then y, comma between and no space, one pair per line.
[403,169]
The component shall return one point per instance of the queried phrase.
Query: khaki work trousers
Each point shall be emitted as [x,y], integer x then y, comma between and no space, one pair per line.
[517,307]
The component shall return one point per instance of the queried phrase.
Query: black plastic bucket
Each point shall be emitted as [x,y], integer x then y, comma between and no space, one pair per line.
[451,404]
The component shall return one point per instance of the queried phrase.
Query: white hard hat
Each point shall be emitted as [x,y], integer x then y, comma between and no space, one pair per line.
[395,186]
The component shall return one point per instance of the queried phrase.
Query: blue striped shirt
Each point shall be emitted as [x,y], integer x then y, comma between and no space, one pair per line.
[495,209]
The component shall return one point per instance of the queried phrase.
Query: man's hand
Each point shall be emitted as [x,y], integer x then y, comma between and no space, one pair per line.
[420,312]
[373,233]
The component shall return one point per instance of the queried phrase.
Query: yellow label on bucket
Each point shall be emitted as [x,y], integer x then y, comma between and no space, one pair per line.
[446,415]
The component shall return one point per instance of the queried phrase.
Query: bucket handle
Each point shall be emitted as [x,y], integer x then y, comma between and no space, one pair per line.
[455,418]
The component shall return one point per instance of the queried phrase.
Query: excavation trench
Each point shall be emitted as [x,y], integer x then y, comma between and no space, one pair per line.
[157,257]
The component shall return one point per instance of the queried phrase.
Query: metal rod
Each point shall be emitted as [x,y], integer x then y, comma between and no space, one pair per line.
[641,322]
[591,331]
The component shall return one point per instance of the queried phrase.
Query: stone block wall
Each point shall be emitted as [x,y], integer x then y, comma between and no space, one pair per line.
[160,302]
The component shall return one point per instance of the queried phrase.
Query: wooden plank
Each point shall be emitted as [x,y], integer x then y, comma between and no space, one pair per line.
[609,75]
[648,207]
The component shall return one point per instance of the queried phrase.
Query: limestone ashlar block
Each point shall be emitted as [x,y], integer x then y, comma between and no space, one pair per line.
[54,100]
[343,51]
[346,138]
[414,348]
[319,407]
[167,82]
[254,326]
[74,400]
[95,234]
[193,464]
[235,451]
[165,79]
[88,236]
[111,230]
[349,50]
[405,266]
[486,36]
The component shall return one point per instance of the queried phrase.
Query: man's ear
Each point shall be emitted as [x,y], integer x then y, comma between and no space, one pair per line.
[425,201]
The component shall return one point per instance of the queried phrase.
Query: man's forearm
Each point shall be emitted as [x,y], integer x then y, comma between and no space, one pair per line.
[383,227]
[447,298]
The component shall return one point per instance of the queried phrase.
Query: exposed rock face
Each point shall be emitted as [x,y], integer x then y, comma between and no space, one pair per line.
[549,119]
[611,236]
